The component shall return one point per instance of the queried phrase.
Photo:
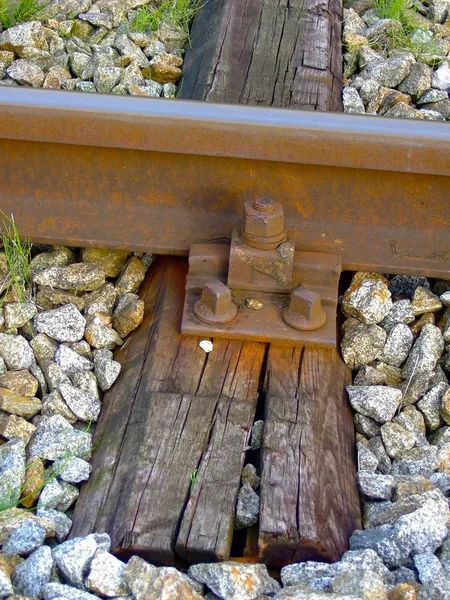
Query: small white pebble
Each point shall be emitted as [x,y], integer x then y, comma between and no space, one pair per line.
[97,320]
[206,345]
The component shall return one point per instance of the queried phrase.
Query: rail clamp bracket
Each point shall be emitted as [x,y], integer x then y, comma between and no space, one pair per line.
[259,287]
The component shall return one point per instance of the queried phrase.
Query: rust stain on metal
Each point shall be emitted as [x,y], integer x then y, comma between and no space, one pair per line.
[161,176]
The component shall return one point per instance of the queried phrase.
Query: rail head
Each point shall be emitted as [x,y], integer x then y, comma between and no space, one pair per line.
[198,128]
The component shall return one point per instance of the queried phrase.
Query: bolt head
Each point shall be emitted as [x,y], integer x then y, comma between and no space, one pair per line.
[263,219]
[215,305]
[305,310]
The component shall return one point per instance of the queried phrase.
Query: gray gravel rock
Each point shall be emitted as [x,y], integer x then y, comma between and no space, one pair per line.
[44,347]
[86,381]
[99,335]
[51,495]
[361,584]
[18,37]
[106,575]
[432,96]
[368,301]
[362,344]
[425,353]
[59,591]
[441,78]
[403,111]
[378,373]
[72,470]
[12,472]
[53,404]
[80,277]
[367,460]
[257,435]
[247,508]
[249,475]
[71,362]
[366,426]
[64,324]
[34,573]
[55,437]
[105,78]
[16,352]
[398,345]
[426,528]
[26,73]
[130,50]
[430,405]
[316,575]
[6,588]
[84,406]
[441,481]
[27,537]
[405,285]
[375,486]
[73,558]
[18,314]
[443,107]
[377,447]
[417,461]
[396,439]
[107,370]
[418,81]
[431,115]
[385,541]
[235,581]
[424,301]
[353,22]
[428,567]
[401,312]
[352,101]
[377,402]
[54,375]
[60,521]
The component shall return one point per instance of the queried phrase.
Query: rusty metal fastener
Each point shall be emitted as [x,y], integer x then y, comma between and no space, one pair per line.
[305,310]
[215,305]
[263,224]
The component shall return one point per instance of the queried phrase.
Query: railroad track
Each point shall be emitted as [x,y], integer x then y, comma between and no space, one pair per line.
[164,177]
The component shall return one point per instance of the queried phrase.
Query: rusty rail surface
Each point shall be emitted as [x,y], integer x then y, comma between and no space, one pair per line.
[90,169]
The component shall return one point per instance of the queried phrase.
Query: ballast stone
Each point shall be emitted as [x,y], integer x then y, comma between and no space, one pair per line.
[31,576]
[54,437]
[362,344]
[235,581]
[16,352]
[368,301]
[64,324]
[398,345]
[376,401]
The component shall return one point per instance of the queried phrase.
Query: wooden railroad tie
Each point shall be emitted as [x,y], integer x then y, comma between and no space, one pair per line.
[171,443]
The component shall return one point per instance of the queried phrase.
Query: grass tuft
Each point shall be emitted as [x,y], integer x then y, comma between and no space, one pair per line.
[176,12]
[18,259]
[402,11]
[13,12]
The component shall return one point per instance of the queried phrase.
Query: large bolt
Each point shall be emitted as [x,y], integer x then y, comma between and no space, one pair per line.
[215,306]
[305,310]
[263,224]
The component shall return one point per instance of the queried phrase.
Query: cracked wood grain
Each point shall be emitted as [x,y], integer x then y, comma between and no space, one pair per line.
[284,53]
[309,497]
[174,409]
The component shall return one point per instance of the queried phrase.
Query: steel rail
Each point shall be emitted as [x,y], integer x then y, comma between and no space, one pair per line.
[161,175]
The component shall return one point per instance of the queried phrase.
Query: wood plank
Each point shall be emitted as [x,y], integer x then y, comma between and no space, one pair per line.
[173,410]
[207,526]
[271,53]
[309,497]
[151,485]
